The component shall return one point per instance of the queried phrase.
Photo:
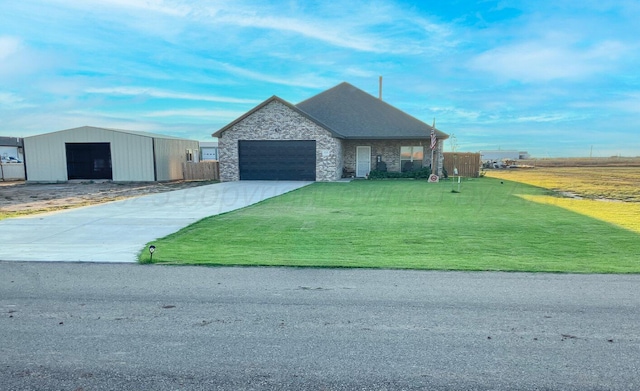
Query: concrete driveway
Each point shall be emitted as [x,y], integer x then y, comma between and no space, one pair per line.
[116,231]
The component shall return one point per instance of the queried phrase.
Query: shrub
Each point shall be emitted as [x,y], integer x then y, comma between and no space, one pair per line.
[422,173]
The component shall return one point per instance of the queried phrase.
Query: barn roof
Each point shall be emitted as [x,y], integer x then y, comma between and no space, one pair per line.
[134,132]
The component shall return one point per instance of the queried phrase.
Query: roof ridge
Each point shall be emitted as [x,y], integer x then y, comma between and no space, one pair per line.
[355,113]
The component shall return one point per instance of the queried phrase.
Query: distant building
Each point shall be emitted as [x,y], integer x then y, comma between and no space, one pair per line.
[208,150]
[11,159]
[11,149]
[502,155]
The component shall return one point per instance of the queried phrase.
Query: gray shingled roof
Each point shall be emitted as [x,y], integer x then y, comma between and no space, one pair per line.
[353,114]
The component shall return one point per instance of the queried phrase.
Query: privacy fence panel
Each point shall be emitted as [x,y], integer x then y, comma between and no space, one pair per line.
[206,170]
[468,164]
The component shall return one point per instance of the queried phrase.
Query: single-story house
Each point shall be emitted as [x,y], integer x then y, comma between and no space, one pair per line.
[92,153]
[342,131]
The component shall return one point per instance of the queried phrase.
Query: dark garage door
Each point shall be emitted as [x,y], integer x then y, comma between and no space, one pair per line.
[89,160]
[286,160]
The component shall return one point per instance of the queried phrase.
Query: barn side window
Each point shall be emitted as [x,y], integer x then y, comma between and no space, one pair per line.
[189,155]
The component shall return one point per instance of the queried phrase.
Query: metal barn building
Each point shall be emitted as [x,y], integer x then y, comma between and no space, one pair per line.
[91,153]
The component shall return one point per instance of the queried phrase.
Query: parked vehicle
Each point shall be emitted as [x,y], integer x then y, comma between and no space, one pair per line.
[10,159]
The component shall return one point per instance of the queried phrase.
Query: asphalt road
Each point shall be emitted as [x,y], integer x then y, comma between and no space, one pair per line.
[77,326]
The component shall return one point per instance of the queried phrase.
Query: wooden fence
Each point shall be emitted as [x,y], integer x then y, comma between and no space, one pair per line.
[468,164]
[208,170]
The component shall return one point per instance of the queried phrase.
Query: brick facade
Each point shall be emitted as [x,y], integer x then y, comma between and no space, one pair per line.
[276,121]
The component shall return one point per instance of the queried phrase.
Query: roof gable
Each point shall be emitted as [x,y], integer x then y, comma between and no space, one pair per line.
[266,102]
[352,113]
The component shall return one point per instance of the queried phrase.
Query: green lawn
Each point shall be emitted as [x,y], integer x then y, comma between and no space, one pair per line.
[407,224]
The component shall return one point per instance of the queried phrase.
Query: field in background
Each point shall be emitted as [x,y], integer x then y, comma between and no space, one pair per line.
[610,194]
[613,161]
[611,183]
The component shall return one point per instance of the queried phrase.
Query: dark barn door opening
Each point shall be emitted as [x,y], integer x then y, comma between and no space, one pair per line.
[89,161]
[285,160]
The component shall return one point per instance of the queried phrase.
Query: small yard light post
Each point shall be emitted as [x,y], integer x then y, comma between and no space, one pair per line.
[152,249]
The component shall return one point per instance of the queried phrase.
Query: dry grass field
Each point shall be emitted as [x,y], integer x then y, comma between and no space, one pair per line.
[609,193]
[613,161]
[610,183]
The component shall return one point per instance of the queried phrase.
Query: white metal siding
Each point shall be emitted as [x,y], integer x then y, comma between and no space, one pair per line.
[131,154]
[170,154]
[45,158]
[12,171]
[132,158]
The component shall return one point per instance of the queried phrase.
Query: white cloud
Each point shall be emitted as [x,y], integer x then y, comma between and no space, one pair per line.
[309,80]
[328,33]
[550,117]
[359,72]
[143,6]
[160,6]
[374,27]
[543,60]
[630,103]
[9,99]
[623,102]
[197,113]
[8,47]
[455,114]
[161,94]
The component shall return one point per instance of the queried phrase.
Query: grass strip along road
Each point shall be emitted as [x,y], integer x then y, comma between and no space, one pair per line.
[488,225]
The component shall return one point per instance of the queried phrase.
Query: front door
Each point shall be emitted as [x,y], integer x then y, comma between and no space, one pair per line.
[363,161]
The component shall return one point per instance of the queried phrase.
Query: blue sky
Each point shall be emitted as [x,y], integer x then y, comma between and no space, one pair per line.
[555,78]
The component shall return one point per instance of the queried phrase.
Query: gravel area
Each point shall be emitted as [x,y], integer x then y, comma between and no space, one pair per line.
[21,196]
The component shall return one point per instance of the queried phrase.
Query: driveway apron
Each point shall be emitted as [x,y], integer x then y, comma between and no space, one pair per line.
[117,231]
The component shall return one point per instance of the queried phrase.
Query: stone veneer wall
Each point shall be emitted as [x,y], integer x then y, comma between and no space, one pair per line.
[389,150]
[276,121]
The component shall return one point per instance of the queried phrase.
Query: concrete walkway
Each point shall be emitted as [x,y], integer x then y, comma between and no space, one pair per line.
[117,231]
